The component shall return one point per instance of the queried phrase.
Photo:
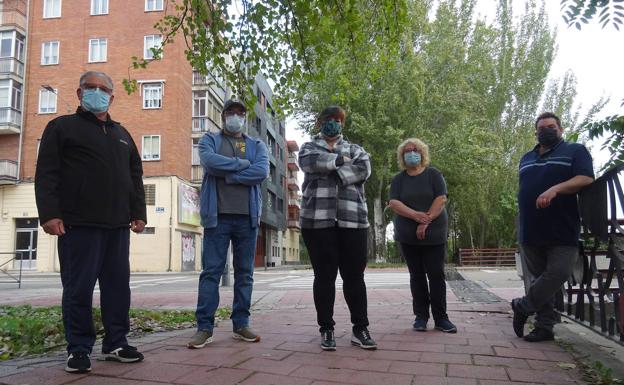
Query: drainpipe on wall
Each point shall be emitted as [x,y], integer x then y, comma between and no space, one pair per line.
[21,135]
[171,225]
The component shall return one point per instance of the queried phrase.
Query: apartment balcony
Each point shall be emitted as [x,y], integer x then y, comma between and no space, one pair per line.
[203,124]
[292,147]
[13,13]
[294,202]
[8,171]
[11,66]
[197,174]
[292,223]
[292,184]
[10,121]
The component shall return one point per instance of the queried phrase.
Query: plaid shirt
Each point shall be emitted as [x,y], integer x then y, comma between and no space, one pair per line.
[333,194]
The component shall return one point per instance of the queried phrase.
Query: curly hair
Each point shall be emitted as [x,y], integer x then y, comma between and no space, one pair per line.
[420,147]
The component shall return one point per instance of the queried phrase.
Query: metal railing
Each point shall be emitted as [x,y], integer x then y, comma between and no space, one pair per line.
[9,115]
[4,269]
[8,170]
[596,299]
[204,124]
[11,65]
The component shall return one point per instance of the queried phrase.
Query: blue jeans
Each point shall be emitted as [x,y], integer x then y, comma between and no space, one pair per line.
[235,228]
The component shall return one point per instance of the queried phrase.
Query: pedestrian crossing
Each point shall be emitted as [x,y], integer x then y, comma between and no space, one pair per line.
[373,280]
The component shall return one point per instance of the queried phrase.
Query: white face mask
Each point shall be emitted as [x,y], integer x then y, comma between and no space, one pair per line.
[234,123]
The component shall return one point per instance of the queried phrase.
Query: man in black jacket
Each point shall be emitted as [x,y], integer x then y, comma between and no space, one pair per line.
[89,191]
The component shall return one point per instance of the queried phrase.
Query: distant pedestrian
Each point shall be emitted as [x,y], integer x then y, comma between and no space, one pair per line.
[418,196]
[89,191]
[550,176]
[235,165]
[334,224]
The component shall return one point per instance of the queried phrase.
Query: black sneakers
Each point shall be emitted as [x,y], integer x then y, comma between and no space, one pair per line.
[328,342]
[125,354]
[78,362]
[420,325]
[519,318]
[539,335]
[446,326]
[363,339]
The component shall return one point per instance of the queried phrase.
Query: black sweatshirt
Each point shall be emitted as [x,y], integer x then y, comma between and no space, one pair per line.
[89,173]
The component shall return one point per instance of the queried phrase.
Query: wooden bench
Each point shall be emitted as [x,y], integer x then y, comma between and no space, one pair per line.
[502,257]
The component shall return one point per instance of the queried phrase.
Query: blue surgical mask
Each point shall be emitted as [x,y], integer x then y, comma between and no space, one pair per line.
[411,158]
[95,100]
[331,128]
[234,123]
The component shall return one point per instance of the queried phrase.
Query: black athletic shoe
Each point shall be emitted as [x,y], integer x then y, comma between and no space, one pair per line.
[126,354]
[519,318]
[78,362]
[363,339]
[539,335]
[328,342]
[446,326]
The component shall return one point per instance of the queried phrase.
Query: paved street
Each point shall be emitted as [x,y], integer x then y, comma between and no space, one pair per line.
[484,351]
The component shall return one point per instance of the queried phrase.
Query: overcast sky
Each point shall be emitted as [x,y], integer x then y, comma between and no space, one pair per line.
[593,54]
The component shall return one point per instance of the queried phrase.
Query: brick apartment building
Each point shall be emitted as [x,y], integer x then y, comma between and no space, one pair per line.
[49,44]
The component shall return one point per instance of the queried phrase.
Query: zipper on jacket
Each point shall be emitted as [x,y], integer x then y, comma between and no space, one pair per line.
[104,129]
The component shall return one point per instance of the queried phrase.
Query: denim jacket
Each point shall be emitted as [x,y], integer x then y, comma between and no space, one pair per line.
[251,171]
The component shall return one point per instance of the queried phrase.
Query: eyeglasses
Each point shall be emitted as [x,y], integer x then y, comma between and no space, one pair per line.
[234,112]
[88,86]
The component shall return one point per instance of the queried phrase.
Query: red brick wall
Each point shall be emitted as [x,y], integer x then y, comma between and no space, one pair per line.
[124,26]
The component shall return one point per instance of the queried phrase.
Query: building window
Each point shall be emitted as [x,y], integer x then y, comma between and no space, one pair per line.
[47,101]
[271,173]
[149,42]
[153,5]
[280,205]
[51,8]
[97,50]
[271,144]
[150,194]
[50,53]
[151,147]
[152,95]
[200,104]
[99,7]
[195,160]
[271,202]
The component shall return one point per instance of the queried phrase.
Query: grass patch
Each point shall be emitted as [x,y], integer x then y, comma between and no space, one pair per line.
[594,373]
[27,330]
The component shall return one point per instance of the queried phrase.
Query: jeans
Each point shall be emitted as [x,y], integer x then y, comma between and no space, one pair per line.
[332,250]
[426,262]
[235,228]
[87,255]
[550,266]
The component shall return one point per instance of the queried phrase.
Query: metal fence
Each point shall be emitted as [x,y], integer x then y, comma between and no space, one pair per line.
[4,268]
[596,298]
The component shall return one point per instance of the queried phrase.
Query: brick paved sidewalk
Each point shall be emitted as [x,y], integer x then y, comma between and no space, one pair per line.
[484,352]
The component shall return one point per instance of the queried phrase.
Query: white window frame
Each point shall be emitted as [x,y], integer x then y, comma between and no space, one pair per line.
[47,94]
[162,5]
[99,45]
[146,91]
[147,46]
[149,157]
[45,13]
[43,52]
[102,10]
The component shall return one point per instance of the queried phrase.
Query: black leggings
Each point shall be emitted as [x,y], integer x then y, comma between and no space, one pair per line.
[426,262]
[332,250]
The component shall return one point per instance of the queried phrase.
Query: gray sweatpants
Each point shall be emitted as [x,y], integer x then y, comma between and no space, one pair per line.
[551,266]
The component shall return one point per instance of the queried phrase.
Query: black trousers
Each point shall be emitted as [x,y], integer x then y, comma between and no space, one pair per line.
[88,254]
[332,250]
[426,262]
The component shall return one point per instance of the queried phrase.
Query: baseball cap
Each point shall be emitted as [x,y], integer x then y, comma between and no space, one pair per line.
[234,102]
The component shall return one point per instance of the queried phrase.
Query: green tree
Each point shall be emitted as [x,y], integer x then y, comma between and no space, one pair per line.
[468,88]
[285,39]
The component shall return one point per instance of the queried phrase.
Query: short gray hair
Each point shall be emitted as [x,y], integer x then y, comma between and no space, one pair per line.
[109,81]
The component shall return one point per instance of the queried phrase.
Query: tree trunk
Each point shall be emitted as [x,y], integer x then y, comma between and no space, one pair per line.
[379,230]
